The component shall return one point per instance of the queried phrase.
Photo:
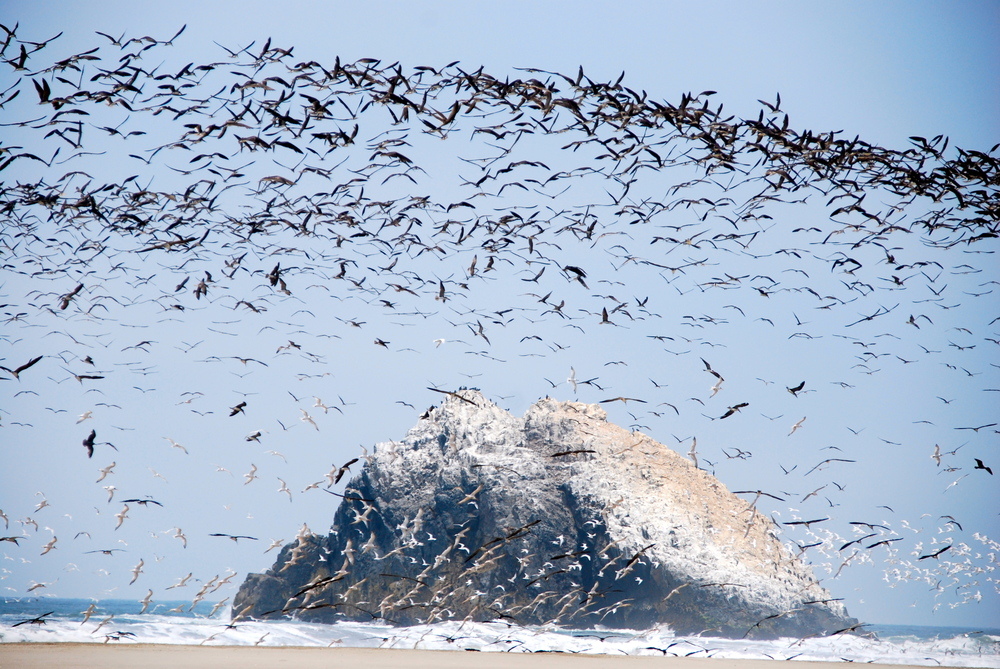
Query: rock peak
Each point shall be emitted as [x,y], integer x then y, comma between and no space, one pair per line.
[557,516]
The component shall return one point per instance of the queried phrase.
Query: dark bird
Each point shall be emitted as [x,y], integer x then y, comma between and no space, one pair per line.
[623,400]
[797,389]
[88,443]
[40,620]
[237,409]
[884,542]
[343,470]
[807,523]
[453,394]
[234,537]
[980,465]
[935,554]
[143,502]
[733,409]
[16,372]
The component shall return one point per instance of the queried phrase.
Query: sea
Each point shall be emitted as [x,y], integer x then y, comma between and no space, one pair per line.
[48,620]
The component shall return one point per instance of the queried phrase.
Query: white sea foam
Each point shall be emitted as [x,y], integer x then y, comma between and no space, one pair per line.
[963,650]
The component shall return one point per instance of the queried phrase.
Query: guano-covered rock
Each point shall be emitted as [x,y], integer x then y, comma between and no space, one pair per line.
[556,517]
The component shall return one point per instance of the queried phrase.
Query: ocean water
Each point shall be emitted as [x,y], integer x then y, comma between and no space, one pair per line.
[119,621]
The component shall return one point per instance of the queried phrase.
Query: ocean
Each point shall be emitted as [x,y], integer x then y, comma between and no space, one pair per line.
[176,622]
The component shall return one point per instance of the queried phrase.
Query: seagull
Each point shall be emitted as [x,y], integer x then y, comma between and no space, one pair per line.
[251,475]
[284,489]
[797,426]
[146,601]
[306,418]
[106,471]
[49,546]
[121,516]
[84,416]
[571,379]
[693,452]
[180,535]
[182,582]
[136,570]
[176,445]
[980,465]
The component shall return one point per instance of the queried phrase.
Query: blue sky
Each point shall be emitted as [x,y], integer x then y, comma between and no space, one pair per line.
[884,72]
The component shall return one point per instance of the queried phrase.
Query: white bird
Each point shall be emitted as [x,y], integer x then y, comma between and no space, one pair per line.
[146,601]
[572,378]
[111,492]
[937,455]
[693,454]
[797,426]
[275,543]
[319,405]
[89,612]
[181,583]
[121,516]
[349,551]
[49,546]
[180,535]
[136,570]
[84,416]
[306,418]
[157,474]
[176,445]
[251,475]
[106,471]
[284,489]
[278,455]
[218,605]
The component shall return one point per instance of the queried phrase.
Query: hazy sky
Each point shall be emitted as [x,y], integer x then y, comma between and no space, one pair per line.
[880,394]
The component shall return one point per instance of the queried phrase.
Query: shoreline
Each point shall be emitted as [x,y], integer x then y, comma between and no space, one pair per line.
[164,656]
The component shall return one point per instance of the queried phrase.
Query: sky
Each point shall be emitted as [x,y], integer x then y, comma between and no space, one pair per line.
[879,394]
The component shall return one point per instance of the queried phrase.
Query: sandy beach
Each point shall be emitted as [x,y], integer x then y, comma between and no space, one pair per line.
[150,656]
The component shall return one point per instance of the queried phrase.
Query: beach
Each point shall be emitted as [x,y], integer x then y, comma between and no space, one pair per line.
[157,656]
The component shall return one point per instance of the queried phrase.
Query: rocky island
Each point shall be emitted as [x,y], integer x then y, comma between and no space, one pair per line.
[557,517]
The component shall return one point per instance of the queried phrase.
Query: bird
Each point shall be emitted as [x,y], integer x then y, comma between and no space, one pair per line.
[733,409]
[980,465]
[796,426]
[104,472]
[121,516]
[234,537]
[88,443]
[16,372]
[936,553]
[136,570]
[146,601]
[284,489]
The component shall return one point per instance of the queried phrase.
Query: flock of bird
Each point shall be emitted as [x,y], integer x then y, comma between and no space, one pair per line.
[298,223]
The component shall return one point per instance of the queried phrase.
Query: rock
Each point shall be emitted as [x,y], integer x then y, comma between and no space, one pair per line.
[557,517]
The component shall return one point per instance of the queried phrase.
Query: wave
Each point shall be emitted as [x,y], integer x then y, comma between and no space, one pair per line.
[889,645]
